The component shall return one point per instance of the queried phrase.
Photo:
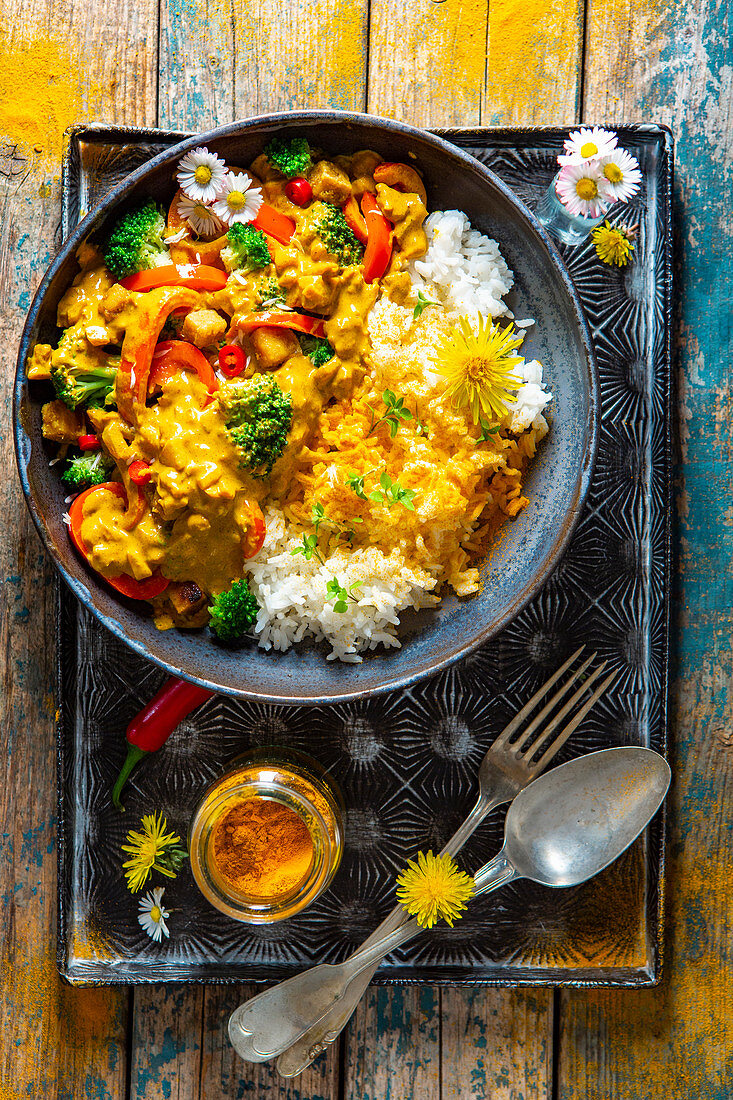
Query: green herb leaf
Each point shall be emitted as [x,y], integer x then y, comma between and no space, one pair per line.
[356,484]
[487,431]
[309,548]
[422,303]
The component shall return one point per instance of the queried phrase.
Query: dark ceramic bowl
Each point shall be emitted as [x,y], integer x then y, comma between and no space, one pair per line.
[528,548]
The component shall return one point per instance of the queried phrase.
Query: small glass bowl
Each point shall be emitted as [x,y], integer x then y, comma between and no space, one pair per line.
[299,785]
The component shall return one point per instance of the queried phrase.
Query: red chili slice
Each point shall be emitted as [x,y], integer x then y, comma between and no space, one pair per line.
[355,220]
[299,191]
[255,537]
[232,360]
[88,443]
[139,472]
[193,276]
[128,586]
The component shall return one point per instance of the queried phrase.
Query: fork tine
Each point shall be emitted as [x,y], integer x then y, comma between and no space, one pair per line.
[557,718]
[560,740]
[553,702]
[529,707]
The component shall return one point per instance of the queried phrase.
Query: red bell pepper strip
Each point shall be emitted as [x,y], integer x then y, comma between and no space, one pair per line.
[379,239]
[299,191]
[299,322]
[355,219]
[232,360]
[255,537]
[88,443]
[274,224]
[152,726]
[128,586]
[193,276]
[139,472]
[141,337]
[172,356]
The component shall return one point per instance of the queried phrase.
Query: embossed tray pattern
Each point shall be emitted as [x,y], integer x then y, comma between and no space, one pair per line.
[407,761]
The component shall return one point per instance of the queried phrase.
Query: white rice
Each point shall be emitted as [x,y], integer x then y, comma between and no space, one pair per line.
[462,268]
[466,272]
[294,602]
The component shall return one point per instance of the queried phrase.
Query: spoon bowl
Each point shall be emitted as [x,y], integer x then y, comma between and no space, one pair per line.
[569,825]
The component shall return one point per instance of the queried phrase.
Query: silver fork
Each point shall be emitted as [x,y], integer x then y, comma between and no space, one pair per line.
[507,768]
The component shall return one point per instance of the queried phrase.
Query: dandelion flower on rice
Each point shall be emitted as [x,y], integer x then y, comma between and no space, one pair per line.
[200,174]
[152,849]
[433,887]
[614,244]
[587,143]
[478,364]
[621,175]
[581,188]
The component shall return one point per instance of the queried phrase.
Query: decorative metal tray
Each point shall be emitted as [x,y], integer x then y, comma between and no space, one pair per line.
[407,762]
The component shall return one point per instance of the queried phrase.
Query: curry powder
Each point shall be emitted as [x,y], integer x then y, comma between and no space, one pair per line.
[262,848]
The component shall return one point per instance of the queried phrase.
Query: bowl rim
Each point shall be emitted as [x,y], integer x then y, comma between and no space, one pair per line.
[268,122]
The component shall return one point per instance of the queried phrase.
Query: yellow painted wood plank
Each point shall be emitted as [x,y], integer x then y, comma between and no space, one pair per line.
[427,60]
[299,54]
[533,67]
[496,1045]
[60,63]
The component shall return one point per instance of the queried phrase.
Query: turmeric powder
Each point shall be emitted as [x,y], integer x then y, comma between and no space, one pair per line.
[262,848]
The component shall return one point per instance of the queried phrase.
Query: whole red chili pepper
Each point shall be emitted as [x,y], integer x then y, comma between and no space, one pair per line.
[152,726]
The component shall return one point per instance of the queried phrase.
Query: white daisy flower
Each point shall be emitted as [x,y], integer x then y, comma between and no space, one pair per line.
[586,143]
[199,216]
[238,200]
[200,174]
[580,187]
[151,914]
[621,175]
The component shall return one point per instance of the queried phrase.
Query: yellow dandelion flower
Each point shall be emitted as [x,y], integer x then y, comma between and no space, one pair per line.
[478,366]
[152,849]
[614,245]
[433,887]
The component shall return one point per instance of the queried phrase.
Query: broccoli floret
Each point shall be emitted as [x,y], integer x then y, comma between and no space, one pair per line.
[318,350]
[82,374]
[269,290]
[136,242]
[233,612]
[258,415]
[332,228]
[84,470]
[247,248]
[291,155]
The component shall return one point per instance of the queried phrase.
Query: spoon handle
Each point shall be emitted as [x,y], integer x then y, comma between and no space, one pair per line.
[302,1052]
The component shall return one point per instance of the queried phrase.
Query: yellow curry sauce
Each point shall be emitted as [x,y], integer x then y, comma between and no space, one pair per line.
[197,515]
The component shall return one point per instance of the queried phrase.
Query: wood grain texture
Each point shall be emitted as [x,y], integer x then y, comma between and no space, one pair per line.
[533,66]
[673,65]
[299,53]
[496,1045]
[81,60]
[393,1045]
[196,64]
[224,1074]
[427,60]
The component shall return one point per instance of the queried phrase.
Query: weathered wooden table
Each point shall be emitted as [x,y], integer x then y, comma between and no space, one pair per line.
[189,65]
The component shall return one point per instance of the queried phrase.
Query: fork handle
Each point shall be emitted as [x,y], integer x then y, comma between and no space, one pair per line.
[300,1055]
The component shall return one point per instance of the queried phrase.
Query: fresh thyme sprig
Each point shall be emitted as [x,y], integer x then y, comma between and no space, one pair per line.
[341,595]
[395,413]
[355,482]
[309,548]
[391,493]
[487,431]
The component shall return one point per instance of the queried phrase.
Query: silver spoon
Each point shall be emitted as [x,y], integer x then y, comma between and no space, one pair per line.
[561,830]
